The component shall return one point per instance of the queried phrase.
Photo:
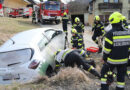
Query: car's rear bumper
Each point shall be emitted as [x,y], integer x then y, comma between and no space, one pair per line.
[23,76]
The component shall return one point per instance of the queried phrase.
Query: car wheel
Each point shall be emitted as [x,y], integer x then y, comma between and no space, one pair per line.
[49,71]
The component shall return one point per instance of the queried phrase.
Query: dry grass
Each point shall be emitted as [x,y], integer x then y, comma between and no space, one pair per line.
[66,79]
[11,26]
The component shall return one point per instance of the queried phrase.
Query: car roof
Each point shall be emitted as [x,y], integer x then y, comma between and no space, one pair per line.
[23,39]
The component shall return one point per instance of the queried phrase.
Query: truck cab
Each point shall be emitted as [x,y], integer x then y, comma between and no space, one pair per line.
[50,11]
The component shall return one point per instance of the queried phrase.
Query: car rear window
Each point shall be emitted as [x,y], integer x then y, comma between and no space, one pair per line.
[15,57]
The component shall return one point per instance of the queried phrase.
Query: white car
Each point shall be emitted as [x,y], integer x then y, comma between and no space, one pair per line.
[129,26]
[29,54]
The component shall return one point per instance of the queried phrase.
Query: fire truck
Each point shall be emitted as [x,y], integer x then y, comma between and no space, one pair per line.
[27,12]
[15,12]
[1,10]
[20,12]
[49,11]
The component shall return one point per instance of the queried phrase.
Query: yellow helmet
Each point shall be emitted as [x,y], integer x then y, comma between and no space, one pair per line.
[123,18]
[74,31]
[77,19]
[115,17]
[65,13]
[97,18]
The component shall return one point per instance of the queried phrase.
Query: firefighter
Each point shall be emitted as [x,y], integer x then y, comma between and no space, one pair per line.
[70,58]
[124,22]
[115,54]
[76,40]
[78,26]
[33,17]
[99,32]
[64,22]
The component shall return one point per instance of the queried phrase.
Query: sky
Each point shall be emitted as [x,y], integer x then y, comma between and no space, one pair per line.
[65,1]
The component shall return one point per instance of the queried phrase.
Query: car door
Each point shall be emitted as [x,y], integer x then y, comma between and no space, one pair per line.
[56,41]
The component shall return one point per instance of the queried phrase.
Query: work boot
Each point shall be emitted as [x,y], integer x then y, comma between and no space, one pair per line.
[104,87]
[100,50]
[95,73]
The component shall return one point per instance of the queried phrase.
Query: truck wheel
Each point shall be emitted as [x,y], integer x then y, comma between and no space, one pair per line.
[43,22]
[57,21]
[27,16]
[10,15]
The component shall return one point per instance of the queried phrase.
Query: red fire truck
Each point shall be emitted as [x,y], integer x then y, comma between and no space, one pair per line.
[15,12]
[27,12]
[1,10]
[49,11]
[20,12]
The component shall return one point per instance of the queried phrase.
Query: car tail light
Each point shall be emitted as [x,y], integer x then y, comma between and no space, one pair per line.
[34,64]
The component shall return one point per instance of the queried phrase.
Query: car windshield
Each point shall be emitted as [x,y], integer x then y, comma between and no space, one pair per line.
[52,6]
[16,57]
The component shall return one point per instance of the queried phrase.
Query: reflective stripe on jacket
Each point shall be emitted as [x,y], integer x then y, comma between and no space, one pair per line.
[116,48]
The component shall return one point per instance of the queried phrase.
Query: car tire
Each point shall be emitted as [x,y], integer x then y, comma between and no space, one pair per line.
[49,71]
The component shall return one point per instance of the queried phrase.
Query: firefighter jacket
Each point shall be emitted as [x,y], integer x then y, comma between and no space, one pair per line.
[77,42]
[65,19]
[79,27]
[125,24]
[98,29]
[117,43]
[64,53]
[33,14]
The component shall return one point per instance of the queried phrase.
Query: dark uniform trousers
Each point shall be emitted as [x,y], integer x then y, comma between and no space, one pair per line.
[121,69]
[64,23]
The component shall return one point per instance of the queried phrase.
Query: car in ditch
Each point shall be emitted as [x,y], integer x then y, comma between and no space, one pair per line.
[29,54]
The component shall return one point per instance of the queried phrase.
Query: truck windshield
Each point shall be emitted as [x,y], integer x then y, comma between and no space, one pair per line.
[52,6]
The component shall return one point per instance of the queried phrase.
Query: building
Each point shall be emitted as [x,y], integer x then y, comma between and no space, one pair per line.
[78,8]
[104,8]
[15,3]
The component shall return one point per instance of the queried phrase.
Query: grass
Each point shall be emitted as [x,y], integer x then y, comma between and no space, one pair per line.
[66,79]
[11,26]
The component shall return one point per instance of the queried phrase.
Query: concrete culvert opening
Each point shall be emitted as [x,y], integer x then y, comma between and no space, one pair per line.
[81,16]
